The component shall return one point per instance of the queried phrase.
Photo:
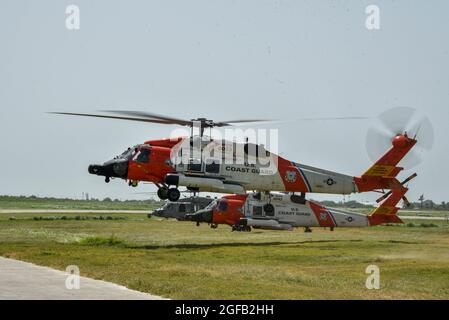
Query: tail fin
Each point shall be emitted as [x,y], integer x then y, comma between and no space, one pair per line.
[382,175]
[386,212]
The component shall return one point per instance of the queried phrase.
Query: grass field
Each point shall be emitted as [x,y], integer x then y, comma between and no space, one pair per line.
[181,261]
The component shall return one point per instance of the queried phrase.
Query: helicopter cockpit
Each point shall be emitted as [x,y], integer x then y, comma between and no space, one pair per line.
[118,167]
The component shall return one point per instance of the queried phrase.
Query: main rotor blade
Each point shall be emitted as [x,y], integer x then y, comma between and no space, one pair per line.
[113,117]
[231,122]
[150,115]
[332,118]
[141,116]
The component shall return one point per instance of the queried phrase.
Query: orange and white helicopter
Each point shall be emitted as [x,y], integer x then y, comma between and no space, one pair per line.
[164,163]
[285,211]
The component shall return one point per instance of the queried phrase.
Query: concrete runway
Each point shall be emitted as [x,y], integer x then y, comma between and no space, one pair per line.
[70,211]
[22,280]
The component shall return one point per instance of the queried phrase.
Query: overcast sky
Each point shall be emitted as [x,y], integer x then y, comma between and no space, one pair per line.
[218,59]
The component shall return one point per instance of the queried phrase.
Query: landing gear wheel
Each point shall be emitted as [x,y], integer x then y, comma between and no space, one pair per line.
[213,226]
[162,193]
[241,228]
[307,229]
[173,194]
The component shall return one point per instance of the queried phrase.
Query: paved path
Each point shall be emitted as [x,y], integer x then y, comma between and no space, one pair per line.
[69,211]
[424,218]
[23,280]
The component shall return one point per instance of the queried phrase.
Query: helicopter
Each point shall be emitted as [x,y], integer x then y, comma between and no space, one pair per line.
[283,211]
[180,161]
[179,209]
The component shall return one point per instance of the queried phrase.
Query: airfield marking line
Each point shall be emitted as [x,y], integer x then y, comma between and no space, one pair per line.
[23,280]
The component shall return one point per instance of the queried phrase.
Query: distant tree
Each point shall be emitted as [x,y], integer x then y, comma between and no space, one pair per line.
[107,199]
[421,200]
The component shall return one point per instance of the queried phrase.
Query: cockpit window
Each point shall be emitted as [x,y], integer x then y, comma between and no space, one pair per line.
[222,205]
[211,205]
[143,156]
[127,154]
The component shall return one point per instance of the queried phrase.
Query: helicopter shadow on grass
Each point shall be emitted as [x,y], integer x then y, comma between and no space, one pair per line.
[238,244]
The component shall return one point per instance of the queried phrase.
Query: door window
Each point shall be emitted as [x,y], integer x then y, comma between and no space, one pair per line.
[143,156]
[257,211]
[213,167]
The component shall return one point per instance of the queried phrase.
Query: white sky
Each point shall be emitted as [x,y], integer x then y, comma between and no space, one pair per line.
[218,59]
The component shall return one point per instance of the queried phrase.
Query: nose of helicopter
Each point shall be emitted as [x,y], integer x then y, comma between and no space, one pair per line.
[113,168]
[203,215]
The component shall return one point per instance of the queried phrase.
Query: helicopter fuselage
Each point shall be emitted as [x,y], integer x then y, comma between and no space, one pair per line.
[226,167]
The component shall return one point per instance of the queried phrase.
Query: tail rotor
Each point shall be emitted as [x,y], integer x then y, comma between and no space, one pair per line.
[404,198]
[399,121]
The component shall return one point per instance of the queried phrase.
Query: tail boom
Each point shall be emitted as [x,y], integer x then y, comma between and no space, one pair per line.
[382,174]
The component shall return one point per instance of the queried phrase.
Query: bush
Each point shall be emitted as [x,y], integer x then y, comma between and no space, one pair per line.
[102,241]
[428,225]
[422,225]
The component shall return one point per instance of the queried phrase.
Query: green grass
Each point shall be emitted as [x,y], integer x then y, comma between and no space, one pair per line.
[101,241]
[181,261]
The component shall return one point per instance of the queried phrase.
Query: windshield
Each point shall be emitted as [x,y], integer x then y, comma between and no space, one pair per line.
[127,154]
[211,205]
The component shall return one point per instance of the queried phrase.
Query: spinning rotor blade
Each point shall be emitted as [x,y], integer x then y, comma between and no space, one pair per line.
[142,116]
[111,117]
[403,182]
[333,118]
[232,122]
[406,202]
[147,115]
[400,120]
[242,122]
